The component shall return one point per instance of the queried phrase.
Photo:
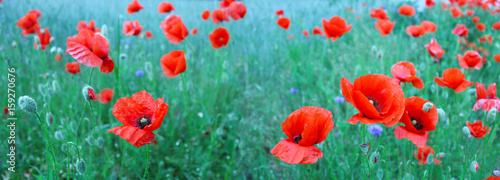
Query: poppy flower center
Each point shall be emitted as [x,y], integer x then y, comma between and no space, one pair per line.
[374,103]
[416,123]
[143,122]
[297,138]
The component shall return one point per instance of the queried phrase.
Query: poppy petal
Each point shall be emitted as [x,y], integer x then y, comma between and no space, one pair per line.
[82,54]
[346,88]
[440,82]
[107,65]
[364,105]
[291,153]
[464,85]
[159,114]
[133,135]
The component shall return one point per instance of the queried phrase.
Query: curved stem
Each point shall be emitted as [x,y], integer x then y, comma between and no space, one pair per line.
[147,163]
[81,119]
[49,144]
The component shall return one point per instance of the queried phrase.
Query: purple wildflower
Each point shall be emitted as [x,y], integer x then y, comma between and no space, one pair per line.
[122,41]
[139,73]
[375,129]
[293,90]
[128,42]
[339,99]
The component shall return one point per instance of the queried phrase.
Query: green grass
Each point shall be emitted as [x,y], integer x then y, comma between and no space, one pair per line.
[226,109]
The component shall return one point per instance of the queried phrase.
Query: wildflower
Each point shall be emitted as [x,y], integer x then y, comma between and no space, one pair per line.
[44,38]
[317,31]
[205,15]
[226,3]
[379,14]
[404,72]
[477,129]
[335,27]
[73,68]
[339,99]
[165,7]
[105,96]
[406,10]
[418,122]
[429,26]
[422,153]
[174,29]
[476,19]
[480,26]
[149,34]
[474,166]
[293,90]
[91,50]
[435,50]
[283,22]
[461,30]
[279,12]
[88,93]
[237,10]
[471,59]
[305,33]
[139,73]
[173,63]
[29,23]
[415,31]
[83,25]
[132,28]
[375,129]
[194,31]
[219,37]
[219,15]
[385,27]
[453,78]
[134,7]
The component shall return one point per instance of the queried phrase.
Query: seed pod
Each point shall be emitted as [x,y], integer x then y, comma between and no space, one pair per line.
[430,158]
[58,135]
[53,49]
[365,147]
[466,131]
[474,166]
[81,167]
[88,93]
[49,118]
[496,173]
[441,114]
[492,114]
[441,155]
[427,106]
[27,104]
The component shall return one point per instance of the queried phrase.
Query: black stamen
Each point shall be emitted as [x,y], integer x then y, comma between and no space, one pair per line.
[417,123]
[141,124]
[297,138]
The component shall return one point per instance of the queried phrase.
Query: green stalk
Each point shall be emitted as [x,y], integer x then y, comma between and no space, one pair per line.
[49,144]
[147,163]
[123,156]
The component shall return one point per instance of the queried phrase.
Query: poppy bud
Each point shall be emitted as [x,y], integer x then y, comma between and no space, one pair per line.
[53,49]
[427,106]
[60,50]
[474,166]
[123,56]
[27,104]
[441,155]
[496,173]
[492,114]
[59,136]
[408,177]
[42,89]
[88,93]
[52,39]
[430,158]
[148,67]
[99,142]
[466,131]
[104,30]
[49,118]
[441,114]
[55,86]
[14,44]
[365,147]
[81,167]
[374,158]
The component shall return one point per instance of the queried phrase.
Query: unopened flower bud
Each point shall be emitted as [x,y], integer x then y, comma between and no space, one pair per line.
[492,115]
[99,142]
[14,44]
[53,49]
[430,158]
[441,155]
[427,106]
[60,50]
[474,166]
[496,173]
[123,56]
[59,136]
[365,147]
[104,30]
[81,167]
[49,118]
[55,86]
[466,131]
[441,114]
[88,93]
[27,104]
[374,158]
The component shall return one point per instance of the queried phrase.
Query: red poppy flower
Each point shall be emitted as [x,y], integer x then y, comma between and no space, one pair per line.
[377,97]
[496,26]
[455,12]
[174,29]
[140,115]
[435,50]
[226,3]
[477,129]
[305,33]
[415,31]
[29,23]
[237,10]
[461,30]
[58,57]
[149,34]
[469,12]
[283,22]
[480,26]
[205,15]
[304,127]
[73,68]
[385,27]
[219,37]
[428,26]
[5,110]
[453,78]
[475,19]
[165,7]
[444,6]
[422,154]
[105,96]
[44,38]
[379,14]
[132,28]
[429,3]
[404,72]
[486,100]
[471,59]
[194,31]
[173,63]
[335,27]
[91,50]
[406,10]
[134,6]
[219,15]
[497,58]
[279,12]
[486,38]
[83,25]
[318,31]
[492,178]
[418,122]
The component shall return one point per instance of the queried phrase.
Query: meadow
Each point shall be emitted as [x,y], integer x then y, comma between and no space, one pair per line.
[226,109]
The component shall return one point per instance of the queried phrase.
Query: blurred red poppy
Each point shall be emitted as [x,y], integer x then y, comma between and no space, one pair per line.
[173,63]
[44,37]
[305,33]
[226,3]
[205,15]
[469,12]
[58,57]
[455,12]
[486,100]
[335,27]
[429,3]
[134,6]
[318,31]
[422,154]
[405,72]
[140,115]
[83,25]
[444,6]
[377,97]
[279,12]
[417,122]
[91,50]
[5,110]
[174,29]
[461,30]
[453,78]
[406,10]
[237,10]
[29,23]
[194,31]
[219,37]
[384,27]
[219,15]
[477,129]
[480,26]
[73,67]
[165,7]
[435,50]
[132,28]
[415,31]
[475,19]
[471,59]
[304,127]
[283,22]
[105,96]
[379,14]
[496,26]
[149,34]
[428,26]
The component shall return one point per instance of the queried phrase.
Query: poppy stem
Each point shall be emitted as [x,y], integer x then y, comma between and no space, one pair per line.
[67,163]
[81,119]
[309,170]
[93,136]
[147,163]
[123,156]
[363,129]
[49,144]
[90,77]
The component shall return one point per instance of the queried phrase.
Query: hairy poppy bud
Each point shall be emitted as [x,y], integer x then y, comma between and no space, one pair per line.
[60,50]
[104,30]
[496,173]
[474,166]
[88,93]
[99,142]
[365,147]
[441,155]
[55,86]
[59,136]
[27,104]
[441,114]
[430,158]
[123,56]
[492,114]
[49,118]
[81,167]
[427,106]
[53,49]
[466,131]
[374,158]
